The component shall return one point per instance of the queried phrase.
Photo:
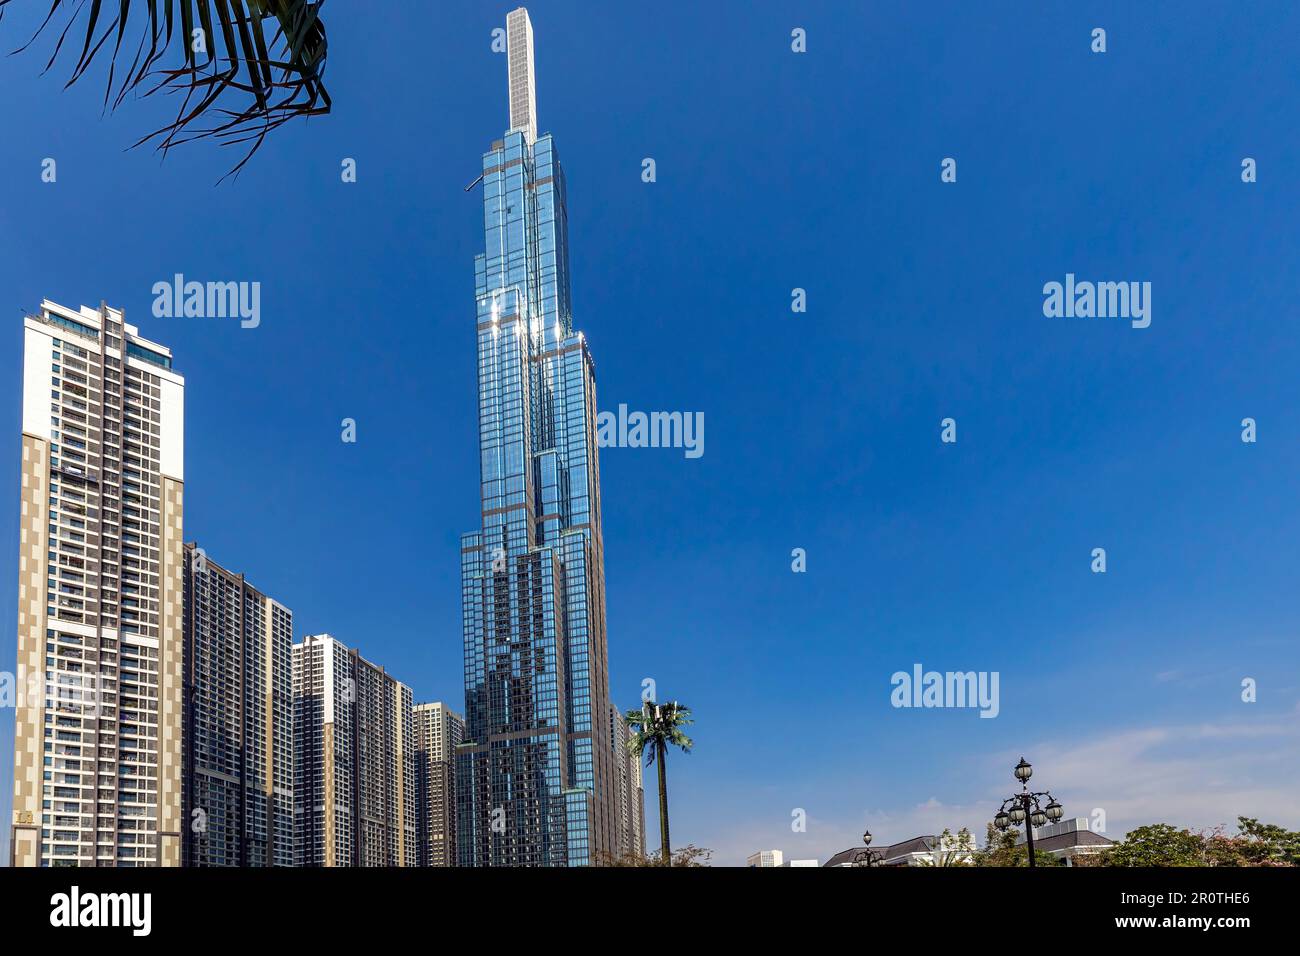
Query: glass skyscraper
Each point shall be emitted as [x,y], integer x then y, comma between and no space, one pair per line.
[536,774]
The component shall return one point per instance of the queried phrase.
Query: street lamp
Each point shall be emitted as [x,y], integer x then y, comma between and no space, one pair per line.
[867,856]
[1025,805]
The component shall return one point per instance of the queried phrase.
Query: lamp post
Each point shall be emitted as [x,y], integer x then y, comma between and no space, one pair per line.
[1025,808]
[868,856]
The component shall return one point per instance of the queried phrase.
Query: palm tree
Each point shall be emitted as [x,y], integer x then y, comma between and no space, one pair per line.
[656,726]
[243,67]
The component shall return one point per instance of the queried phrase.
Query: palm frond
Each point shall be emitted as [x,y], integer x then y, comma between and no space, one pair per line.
[237,90]
[655,724]
[638,743]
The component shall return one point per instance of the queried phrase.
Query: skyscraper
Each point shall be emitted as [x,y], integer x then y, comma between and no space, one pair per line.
[631,791]
[354,760]
[535,779]
[238,738]
[438,730]
[97,764]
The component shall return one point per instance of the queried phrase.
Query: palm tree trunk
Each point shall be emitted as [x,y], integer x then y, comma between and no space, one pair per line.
[665,852]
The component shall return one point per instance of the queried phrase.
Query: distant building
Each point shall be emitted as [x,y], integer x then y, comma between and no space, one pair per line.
[438,730]
[800,863]
[1068,839]
[766,858]
[238,737]
[354,760]
[629,793]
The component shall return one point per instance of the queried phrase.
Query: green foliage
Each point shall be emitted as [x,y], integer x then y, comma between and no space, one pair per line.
[1257,844]
[1158,844]
[656,726]
[1000,849]
[1272,844]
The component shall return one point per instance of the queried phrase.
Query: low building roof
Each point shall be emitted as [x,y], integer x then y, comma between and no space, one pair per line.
[892,853]
[1064,841]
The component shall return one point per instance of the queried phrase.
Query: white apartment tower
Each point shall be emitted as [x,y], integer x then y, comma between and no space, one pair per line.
[98,760]
[354,760]
[438,730]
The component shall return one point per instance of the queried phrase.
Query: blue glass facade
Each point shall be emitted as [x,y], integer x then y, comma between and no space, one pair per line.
[531,789]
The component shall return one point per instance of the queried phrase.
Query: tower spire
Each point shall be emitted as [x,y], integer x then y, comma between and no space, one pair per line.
[519,53]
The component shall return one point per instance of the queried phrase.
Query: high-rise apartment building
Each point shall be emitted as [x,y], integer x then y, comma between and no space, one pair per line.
[630,809]
[238,740]
[98,763]
[354,760]
[535,778]
[438,731]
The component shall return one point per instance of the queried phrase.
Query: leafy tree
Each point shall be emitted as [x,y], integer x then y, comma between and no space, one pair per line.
[689,855]
[243,67]
[656,726]
[952,850]
[1159,844]
[1257,844]
[1001,849]
[1222,850]
[1272,845]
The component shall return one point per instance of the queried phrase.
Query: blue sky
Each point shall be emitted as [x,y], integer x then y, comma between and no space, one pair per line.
[775,170]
